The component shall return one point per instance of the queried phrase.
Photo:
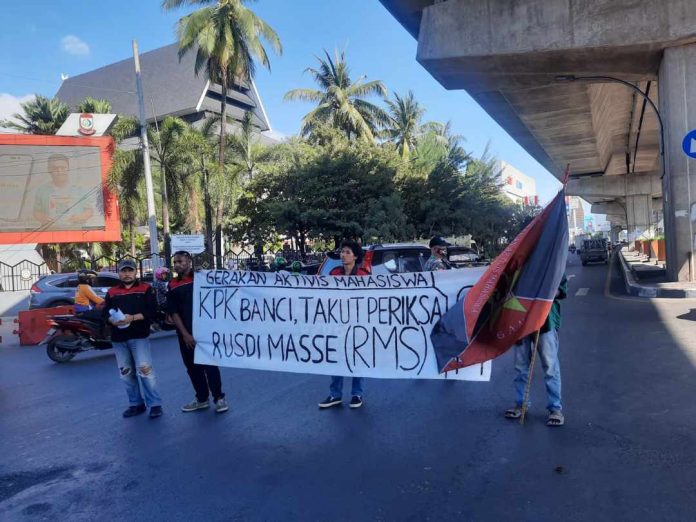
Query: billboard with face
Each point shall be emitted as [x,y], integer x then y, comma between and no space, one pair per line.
[53,190]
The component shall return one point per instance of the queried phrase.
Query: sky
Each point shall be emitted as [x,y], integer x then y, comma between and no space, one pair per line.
[44,39]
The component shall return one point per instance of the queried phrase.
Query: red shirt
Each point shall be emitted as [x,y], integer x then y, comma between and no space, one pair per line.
[359,271]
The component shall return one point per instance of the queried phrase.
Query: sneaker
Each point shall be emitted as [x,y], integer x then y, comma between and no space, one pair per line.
[330,401]
[155,411]
[356,401]
[195,405]
[132,411]
[221,405]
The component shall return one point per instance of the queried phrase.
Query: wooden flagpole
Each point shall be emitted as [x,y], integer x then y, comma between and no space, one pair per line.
[528,387]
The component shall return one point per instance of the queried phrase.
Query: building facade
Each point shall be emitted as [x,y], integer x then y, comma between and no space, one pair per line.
[519,187]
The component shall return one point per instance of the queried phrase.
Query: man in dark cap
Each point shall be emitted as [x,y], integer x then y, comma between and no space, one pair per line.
[438,255]
[130,307]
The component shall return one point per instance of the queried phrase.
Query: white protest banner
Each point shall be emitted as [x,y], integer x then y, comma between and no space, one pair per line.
[367,326]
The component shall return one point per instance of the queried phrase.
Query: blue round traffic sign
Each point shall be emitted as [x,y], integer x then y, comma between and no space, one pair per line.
[689,144]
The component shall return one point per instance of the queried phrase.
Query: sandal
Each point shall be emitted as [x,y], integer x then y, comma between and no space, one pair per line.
[513,413]
[555,418]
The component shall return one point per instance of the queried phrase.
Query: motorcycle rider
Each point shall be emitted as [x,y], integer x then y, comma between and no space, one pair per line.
[130,338]
[84,295]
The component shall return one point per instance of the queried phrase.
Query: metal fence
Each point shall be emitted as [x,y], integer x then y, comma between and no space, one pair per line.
[22,275]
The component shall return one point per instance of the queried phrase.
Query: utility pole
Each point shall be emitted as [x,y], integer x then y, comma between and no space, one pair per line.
[151,217]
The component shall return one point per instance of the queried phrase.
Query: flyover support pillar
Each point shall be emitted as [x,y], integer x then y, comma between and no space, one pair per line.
[677,94]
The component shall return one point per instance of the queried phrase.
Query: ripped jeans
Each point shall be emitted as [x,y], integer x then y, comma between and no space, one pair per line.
[135,367]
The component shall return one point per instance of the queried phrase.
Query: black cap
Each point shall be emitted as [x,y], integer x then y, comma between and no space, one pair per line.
[439,241]
[126,263]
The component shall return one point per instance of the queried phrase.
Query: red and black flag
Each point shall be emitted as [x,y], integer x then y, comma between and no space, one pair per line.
[512,299]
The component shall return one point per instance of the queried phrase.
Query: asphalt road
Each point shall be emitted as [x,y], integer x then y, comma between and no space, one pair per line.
[418,450]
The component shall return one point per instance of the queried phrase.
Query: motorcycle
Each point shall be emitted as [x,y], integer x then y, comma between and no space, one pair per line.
[72,334]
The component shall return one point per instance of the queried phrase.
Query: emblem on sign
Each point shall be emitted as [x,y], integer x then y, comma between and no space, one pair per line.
[86,127]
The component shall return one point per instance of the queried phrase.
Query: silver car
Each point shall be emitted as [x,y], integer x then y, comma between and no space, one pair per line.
[59,289]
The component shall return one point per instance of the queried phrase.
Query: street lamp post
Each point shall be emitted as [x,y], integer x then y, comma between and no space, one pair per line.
[573,78]
[602,78]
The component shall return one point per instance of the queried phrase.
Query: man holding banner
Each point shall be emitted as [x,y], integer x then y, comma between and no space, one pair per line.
[205,378]
[443,324]
[351,256]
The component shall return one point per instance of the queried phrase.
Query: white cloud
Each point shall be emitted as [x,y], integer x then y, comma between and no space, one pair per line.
[10,105]
[71,44]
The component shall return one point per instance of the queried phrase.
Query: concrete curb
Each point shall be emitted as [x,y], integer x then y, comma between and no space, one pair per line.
[635,289]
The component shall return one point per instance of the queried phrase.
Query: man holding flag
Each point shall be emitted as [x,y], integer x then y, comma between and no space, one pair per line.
[547,347]
[515,298]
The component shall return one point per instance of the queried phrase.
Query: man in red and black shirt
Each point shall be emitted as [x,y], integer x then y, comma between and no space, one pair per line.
[205,379]
[130,307]
[351,256]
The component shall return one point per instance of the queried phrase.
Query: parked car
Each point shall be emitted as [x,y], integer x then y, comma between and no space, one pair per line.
[460,256]
[388,258]
[59,289]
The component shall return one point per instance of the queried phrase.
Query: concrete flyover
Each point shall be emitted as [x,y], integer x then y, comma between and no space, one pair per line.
[526,62]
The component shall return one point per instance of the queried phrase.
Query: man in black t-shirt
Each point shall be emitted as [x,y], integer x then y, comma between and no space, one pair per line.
[129,307]
[205,379]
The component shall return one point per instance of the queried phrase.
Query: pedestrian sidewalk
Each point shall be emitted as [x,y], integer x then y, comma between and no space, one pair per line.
[648,278]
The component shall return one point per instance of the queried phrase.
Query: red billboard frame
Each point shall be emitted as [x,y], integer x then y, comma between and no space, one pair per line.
[112,223]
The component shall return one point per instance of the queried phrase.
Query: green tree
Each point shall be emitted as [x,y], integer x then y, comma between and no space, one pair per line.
[272,201]
[246,151]
[490,214]
[200,145]
[126,178]
[90,105]
[438,143]
[340,100]
[326,189]
[40,115]
[404,126]
[167,151]
[227,38]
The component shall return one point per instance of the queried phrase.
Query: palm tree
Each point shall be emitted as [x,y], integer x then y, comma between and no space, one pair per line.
[227,38]
[200,144]
[39,116]
[246,149]
[126,177]
[90,105]
[404,123]
[339,99]
[167,152]
[437,143]
[452,143]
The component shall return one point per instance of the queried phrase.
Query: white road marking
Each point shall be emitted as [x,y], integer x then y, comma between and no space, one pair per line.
[582,291]
[571,276]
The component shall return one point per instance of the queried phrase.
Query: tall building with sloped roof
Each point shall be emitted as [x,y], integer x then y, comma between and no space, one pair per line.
[170,88]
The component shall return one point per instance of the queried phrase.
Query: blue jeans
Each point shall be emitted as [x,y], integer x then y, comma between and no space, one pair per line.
[135,367]
[336,388]
[548,353]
